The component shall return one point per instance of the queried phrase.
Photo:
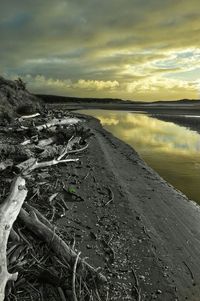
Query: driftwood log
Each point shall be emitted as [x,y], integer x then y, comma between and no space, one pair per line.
[55,121]
[39,226]
[29,116]
[9,210]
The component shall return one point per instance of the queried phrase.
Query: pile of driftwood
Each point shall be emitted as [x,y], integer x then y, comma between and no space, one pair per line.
[43,145]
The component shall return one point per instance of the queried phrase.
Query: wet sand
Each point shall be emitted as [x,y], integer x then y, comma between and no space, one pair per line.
[192,122]
[154,230]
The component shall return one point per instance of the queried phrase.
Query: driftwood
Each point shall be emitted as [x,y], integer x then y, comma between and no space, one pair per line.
[72,141]
[28,116]
[31,164]
[51,151]
[41,143]
[46,142]
[55,150]
[9,211]
[74,278]
[6,163]
[63,251]
[35,221]
[55,121]
[29,141]
[26,142]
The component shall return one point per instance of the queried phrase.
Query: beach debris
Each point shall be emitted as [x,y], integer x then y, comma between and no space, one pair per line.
[9,211]
[39,225]
[6,163]
[136,287]
[190,272]
[24,158]
[74,277]
[29,116]
[55,121]
[111,196]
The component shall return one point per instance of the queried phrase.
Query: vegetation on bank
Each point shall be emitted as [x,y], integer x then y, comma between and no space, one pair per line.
[16,100]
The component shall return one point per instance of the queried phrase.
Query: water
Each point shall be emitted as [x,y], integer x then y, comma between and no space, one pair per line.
[171,150]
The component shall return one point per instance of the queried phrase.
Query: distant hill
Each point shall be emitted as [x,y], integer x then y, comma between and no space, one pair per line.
[67,99]
[78,100]
[181,101]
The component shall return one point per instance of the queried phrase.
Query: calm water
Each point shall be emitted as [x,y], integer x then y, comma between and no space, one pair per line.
[171,150]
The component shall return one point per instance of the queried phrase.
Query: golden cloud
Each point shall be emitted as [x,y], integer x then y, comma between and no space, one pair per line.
[96,85]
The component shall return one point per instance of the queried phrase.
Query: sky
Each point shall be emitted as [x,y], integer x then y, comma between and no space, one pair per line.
[130,49]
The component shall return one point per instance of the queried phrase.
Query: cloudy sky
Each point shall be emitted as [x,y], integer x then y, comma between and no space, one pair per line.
[129,49]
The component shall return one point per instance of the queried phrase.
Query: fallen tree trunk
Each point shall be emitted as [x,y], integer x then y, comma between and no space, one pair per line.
[36,225]
[9,210]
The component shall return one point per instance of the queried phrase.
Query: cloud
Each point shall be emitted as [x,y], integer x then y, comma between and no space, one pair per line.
[96,85]
[107,45]
[67,87]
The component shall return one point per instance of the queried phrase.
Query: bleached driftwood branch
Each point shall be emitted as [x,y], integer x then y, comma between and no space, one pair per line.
[55,150]
[9,210]
[28,116]
[32,164]
[38,227]
[55,121]
[70,144]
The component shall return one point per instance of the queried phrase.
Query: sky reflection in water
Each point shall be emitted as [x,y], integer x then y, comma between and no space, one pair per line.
[173,151]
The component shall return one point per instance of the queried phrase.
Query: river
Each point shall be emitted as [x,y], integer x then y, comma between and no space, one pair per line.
[171,150]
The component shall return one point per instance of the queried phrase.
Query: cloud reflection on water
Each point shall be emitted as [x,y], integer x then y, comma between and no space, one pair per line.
[171,150]
[143,132]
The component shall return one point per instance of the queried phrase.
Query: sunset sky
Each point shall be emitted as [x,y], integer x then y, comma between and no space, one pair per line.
[129,49]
